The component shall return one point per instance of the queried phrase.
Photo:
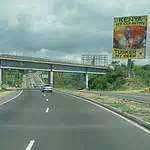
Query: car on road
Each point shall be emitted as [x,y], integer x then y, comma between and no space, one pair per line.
[47,88]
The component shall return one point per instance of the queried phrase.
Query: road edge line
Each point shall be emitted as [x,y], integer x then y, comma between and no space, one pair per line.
[12,98]
[122,116]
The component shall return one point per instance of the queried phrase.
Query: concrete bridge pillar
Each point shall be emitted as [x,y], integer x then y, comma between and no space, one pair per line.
[87,80]
[50,77]
[1,78]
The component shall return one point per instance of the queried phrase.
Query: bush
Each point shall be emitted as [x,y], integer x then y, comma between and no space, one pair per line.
[112,80]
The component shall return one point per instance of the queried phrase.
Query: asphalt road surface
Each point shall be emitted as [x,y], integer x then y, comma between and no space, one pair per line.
[59,122]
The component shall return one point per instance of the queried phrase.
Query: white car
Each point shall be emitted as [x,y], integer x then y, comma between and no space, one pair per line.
[47,88]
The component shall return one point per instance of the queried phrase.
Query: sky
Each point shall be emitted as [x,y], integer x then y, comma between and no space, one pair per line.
[63,29]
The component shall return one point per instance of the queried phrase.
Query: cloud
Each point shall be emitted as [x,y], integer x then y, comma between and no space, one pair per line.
[70,27]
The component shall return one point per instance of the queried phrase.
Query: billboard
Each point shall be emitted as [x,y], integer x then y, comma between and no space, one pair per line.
[129,37]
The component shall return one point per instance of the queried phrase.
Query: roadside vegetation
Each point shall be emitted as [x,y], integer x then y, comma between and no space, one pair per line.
[2,90]
[12,78]
[69,80]
[116,79]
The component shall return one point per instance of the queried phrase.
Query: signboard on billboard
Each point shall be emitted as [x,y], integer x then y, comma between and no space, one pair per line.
[129,37]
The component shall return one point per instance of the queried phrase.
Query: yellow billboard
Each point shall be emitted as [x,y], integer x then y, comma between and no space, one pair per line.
[129,37]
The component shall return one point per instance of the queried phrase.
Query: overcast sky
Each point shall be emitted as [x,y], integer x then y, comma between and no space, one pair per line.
[62,28]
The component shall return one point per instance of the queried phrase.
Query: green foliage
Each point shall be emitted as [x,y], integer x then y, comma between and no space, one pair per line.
[117,79]
[142,74]
[12,78]
[69,80]
[112,80]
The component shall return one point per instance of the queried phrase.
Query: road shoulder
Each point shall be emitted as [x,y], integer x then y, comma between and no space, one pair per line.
[7,96]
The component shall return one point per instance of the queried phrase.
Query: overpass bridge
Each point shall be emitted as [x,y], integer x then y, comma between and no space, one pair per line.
[39,64]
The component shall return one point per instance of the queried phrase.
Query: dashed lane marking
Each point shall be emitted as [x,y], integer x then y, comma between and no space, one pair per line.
[47,110]
[30,145]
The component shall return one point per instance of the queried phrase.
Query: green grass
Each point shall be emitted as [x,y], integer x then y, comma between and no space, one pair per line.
[2,90]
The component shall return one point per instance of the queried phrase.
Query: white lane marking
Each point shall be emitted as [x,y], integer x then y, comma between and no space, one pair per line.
[47,110]
[12,98]
[47,100]
[44,95]
[30,145]
[126,119]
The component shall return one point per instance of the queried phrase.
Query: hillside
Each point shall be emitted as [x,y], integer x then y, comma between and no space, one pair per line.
[117,79]
[132,84]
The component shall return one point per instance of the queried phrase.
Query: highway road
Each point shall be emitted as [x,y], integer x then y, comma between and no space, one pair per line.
[31,80]
[35,121]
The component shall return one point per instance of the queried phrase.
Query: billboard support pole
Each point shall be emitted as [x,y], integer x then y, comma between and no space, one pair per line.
[129,68]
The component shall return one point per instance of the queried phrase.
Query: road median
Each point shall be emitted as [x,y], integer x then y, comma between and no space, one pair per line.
[135,111]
